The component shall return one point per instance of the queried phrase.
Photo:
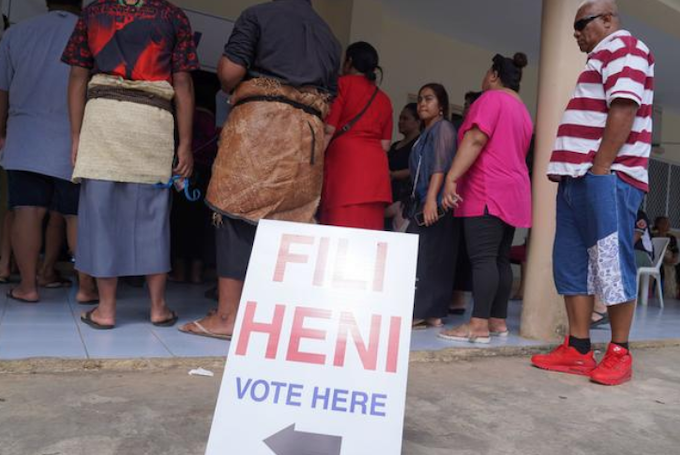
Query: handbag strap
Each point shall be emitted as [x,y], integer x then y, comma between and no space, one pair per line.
[348,126]
[417,176]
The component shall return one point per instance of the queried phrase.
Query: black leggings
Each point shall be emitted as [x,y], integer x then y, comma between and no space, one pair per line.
[489,240]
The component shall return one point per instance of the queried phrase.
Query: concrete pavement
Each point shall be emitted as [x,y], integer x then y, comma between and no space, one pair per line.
[470,406]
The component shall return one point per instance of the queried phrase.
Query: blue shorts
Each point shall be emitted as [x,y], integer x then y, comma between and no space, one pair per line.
[593,252]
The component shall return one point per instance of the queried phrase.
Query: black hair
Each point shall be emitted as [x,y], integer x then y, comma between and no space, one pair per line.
[76,3]
[471,97]
[441,94]
[509,70]
[413,109]
[364,59]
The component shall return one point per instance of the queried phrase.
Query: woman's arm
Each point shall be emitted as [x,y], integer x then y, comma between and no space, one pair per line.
[430,210]
[473,143]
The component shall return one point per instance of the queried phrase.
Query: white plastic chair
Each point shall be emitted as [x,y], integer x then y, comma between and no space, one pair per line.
[645,273]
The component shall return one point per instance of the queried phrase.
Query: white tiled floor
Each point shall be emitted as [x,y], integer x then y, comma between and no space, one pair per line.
[52,328]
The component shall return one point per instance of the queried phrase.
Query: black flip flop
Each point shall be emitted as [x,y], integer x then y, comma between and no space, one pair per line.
[58,283]
[88,302]
[7,280]
[10,295]
[602,321]
[168,322]
[87,319]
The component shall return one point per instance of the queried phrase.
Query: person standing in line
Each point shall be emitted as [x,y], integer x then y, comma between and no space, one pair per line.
[131,62]
[600,161]
[494,197]
[398,158]
[281,63]
[356,186]
[437,229]
[34,128]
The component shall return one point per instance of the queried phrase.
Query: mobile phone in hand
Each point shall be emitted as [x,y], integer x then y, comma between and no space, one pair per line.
[420,217]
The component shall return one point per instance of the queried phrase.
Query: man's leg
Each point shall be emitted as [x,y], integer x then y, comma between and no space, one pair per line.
[621,317]
[26,243]
[159,308]
[234,244]
[6,245]
[87,291]
[105,313]
[579,311]
[570,268]
[54,238]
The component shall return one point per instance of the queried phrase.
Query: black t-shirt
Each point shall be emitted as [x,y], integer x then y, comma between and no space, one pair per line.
[398,159]
[288,40]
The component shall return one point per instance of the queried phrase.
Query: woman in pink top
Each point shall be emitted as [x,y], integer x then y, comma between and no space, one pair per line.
[489,186]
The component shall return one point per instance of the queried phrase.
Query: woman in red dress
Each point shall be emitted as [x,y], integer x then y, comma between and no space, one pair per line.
[357,185]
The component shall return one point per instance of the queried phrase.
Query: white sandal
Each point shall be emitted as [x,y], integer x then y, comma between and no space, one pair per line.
[469,338]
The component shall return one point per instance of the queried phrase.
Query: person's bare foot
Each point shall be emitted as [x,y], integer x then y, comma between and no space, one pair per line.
[99,318]
[434,322]
[30,295]
[215,324]
[87,296]
[465,331]
[161,315]
[47,278]
[497,325]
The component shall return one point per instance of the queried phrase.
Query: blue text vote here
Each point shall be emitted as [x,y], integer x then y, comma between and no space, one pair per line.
[319,398]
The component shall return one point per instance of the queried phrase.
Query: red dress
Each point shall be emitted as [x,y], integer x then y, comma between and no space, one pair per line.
[357,184]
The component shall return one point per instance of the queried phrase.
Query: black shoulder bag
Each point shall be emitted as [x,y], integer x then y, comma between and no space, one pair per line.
[348,126]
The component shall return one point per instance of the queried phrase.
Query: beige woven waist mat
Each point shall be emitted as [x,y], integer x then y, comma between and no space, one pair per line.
[123,141]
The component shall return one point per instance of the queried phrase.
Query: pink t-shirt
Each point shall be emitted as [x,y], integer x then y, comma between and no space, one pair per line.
[499,179]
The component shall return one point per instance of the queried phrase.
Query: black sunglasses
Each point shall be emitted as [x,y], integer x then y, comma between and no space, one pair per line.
[581,24]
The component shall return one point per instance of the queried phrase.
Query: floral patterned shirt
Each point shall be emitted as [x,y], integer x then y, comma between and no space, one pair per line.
[148,42]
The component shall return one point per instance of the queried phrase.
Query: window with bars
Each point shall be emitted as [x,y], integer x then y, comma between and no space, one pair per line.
[663,198]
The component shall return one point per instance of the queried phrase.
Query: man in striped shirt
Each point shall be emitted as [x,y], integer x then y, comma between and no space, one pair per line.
[600,161]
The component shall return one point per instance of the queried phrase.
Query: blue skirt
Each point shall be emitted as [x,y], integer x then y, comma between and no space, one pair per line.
[123,229]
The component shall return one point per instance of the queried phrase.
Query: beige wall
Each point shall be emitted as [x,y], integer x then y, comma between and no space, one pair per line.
[415,56]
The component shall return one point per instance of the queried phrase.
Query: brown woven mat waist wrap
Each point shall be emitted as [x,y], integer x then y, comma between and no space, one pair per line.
[270,162]
[129,95]
[130,142]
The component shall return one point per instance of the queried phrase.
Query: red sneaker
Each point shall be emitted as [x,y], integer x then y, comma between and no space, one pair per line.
[566,359]
[616,367]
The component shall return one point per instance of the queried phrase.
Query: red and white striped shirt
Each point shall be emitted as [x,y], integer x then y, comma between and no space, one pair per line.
[620,67]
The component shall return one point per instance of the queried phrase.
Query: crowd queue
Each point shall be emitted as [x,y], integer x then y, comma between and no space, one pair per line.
[102,142]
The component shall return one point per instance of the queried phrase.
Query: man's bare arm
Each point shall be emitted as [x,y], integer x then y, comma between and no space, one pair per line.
[620,121]
[184,109]
[230,74]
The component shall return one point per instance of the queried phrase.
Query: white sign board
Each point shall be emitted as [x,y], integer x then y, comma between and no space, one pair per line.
[319,360]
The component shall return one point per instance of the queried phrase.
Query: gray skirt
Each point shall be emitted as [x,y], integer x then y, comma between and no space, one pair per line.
[123,229]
